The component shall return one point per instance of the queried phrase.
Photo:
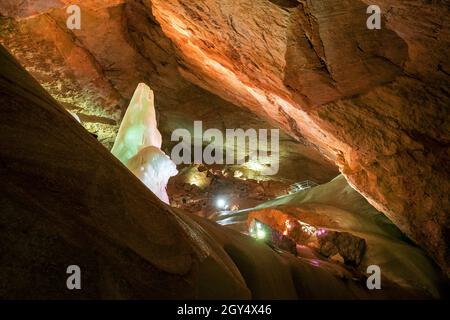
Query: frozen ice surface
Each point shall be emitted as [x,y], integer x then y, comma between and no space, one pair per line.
[138,144]
[154,168]
[138,128]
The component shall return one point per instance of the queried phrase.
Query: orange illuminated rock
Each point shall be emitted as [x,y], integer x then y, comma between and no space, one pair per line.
[284,223]
[65,200]
[375,102]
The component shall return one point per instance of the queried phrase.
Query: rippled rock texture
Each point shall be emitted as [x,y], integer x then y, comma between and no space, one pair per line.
[66,200]
[94,71]
[375,102]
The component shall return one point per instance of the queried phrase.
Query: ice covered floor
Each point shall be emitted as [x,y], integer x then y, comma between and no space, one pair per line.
[337,206]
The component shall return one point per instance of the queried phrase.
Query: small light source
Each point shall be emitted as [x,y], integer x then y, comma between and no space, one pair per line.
[288,224]
[260,234]
[221,203]
[254,165]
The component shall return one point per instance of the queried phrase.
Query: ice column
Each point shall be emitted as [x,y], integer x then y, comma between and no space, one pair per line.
[138,144]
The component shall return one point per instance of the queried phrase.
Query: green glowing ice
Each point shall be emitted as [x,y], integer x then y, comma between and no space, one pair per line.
[138,144]
[139,128]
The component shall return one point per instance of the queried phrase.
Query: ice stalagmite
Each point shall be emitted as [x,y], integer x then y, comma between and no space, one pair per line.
[138,144]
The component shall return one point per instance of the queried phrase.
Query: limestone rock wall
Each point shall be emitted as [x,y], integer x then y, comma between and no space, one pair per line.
[65,200]
[93,72]
[375,102]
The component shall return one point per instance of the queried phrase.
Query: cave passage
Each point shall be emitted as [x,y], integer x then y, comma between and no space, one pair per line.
[273,149]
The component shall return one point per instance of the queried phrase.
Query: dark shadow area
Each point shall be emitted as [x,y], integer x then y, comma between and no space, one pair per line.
[286,3]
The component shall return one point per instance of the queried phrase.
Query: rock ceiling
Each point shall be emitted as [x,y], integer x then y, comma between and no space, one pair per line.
[374,102]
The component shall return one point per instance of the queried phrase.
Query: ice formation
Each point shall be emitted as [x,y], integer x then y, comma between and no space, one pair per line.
[138,144]
[75,116]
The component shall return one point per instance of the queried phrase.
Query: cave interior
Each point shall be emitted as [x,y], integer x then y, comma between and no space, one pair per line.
[118,156]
